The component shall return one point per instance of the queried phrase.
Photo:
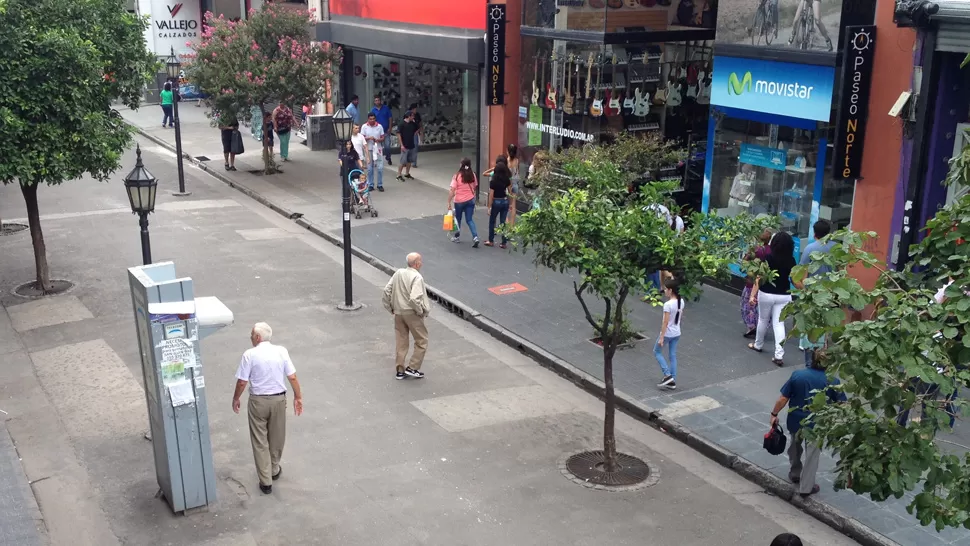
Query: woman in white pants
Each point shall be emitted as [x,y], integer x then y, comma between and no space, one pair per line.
[772,297]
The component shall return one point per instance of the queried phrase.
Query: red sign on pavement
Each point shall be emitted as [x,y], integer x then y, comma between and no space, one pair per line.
[507,289]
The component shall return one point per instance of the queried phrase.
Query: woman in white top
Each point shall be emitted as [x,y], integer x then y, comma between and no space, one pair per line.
[360,144]
[669,334]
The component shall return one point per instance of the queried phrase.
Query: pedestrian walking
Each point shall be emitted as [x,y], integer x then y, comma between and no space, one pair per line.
[669,334]
[416,117]
[786,539]
[797,394]
[354,109]
[349,160]
[516,179]
[168,99]
[406,134]
[749,307]
[283,122]
[405,298]
[821,230]
[268,135]
[461,199]
[772,297]
[375,136]
[383,115]
[228,131]
[264,368]
[498,198]
[360,144]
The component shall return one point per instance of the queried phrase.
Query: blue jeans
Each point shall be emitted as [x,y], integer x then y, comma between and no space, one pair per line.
[500,209]
[466,209]
[809,357]
[654,280]
[671,344]
[387,145]
[167,115]
[417,143]
[379,165]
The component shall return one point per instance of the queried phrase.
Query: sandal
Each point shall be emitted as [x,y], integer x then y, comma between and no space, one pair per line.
[755,349]
[489,243]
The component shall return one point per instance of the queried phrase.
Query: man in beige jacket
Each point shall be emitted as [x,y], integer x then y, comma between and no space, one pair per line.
[406,299]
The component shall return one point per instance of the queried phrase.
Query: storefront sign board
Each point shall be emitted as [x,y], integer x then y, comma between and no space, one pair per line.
[860,43]
[763,156]
[174,24]
[786,89]
[495,54]
[535,121]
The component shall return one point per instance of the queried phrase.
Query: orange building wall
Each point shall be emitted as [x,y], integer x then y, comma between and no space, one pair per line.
[875,195]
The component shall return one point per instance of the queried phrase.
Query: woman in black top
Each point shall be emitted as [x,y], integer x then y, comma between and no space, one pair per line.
[498,198]
[772,297]
[349,160]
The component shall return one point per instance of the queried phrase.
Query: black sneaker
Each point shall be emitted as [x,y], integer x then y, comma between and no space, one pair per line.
[380,188]
[672,385]
[456,239]
[413,373]
[409,177]
[401,178]
[399,376]
[475,243]
[389,161]
[266,489]
[666,379]
[278,474]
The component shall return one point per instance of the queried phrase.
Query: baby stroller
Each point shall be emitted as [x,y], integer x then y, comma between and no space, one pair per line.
[360,202]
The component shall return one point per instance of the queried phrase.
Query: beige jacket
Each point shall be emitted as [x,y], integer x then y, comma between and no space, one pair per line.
[405,294]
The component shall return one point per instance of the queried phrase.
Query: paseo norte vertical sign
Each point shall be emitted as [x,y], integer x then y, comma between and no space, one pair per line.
[495,51]
[860,42]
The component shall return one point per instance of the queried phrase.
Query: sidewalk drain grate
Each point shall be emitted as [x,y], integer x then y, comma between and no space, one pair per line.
[202,158]
[588,466]
[10,228]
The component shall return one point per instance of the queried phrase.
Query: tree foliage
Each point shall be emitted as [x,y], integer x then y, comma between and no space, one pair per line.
[264,59]
[63,63]
[595,219]
[888,362]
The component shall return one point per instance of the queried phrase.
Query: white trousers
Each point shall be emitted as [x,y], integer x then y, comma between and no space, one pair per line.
[769,311]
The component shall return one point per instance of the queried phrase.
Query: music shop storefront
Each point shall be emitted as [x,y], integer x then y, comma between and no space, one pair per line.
[420,55]
[590,70]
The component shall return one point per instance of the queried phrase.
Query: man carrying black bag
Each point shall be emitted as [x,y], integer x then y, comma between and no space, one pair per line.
[232,143]
[797,394]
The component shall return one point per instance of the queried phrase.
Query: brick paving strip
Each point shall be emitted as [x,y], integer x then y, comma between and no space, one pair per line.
[712,417]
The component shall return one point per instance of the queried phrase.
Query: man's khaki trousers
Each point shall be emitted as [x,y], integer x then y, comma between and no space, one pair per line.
[414,325]
[267,432]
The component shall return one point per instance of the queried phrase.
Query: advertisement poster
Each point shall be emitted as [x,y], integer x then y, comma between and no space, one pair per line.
[763,156]
[780,24]
[786,89]
[535,117]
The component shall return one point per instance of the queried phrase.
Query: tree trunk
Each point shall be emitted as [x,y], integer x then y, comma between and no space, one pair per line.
[269,166]
[612,329]
[37,237]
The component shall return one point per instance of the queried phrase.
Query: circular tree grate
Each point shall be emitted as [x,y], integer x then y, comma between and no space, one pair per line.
[588,469]
[9,228]
[30,289]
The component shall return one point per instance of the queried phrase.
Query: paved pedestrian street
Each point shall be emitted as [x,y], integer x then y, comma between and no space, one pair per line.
[468,455]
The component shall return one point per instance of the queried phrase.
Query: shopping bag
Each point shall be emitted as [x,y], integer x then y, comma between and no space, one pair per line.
[236,146]
[775,441]
[449,222]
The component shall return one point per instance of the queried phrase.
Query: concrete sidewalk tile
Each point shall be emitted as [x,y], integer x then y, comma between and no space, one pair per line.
[915,536]
[47,312]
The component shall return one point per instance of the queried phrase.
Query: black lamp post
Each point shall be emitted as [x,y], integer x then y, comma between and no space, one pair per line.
[174,66]
[141,186]
[343,127]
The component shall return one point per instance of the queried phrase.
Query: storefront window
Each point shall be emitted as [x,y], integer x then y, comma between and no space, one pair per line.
[620,15]
[447,97]
[764,168]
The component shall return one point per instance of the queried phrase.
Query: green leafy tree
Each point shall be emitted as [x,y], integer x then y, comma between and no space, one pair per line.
[264,59]
[63,63]
[595,220]
[908,357]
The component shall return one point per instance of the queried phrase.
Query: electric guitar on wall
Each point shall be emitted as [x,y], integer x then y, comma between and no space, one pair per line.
[535,82]
[589,82]
[628,103]
[567,100]
[550,85]
[613,105]
[641,105]
[596,109]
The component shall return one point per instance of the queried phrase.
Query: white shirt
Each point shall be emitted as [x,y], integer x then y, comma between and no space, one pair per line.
[374,132]
[673,322]
[266,367]
[360,144]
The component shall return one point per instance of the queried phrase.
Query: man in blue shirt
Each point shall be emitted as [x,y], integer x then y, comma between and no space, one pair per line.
[353,109]
[821,229]
[383,115]
[797,394]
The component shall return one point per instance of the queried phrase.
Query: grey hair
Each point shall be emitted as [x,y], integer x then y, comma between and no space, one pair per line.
[413,258]
[263,330]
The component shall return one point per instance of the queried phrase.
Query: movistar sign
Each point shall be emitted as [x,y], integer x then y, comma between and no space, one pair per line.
[787,89]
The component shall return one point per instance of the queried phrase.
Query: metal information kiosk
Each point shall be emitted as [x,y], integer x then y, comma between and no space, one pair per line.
[170,322]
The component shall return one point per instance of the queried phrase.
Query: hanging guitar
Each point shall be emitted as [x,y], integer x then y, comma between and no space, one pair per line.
[641,105]
[596,109]
[567,100]
[613,104]
[535,82]
[628,104]
[550,85]
[589,83]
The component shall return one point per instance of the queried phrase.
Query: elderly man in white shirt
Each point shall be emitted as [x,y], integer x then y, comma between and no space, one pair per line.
[265,368]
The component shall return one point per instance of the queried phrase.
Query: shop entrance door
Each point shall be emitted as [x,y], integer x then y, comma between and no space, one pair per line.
[955,191]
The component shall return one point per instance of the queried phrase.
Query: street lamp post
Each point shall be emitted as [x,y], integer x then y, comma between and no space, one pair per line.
[343,127]
[174,67]
[141,186]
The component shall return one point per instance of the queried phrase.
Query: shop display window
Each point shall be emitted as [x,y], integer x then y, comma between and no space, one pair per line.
[620,15]
[763,168]
[447,97]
